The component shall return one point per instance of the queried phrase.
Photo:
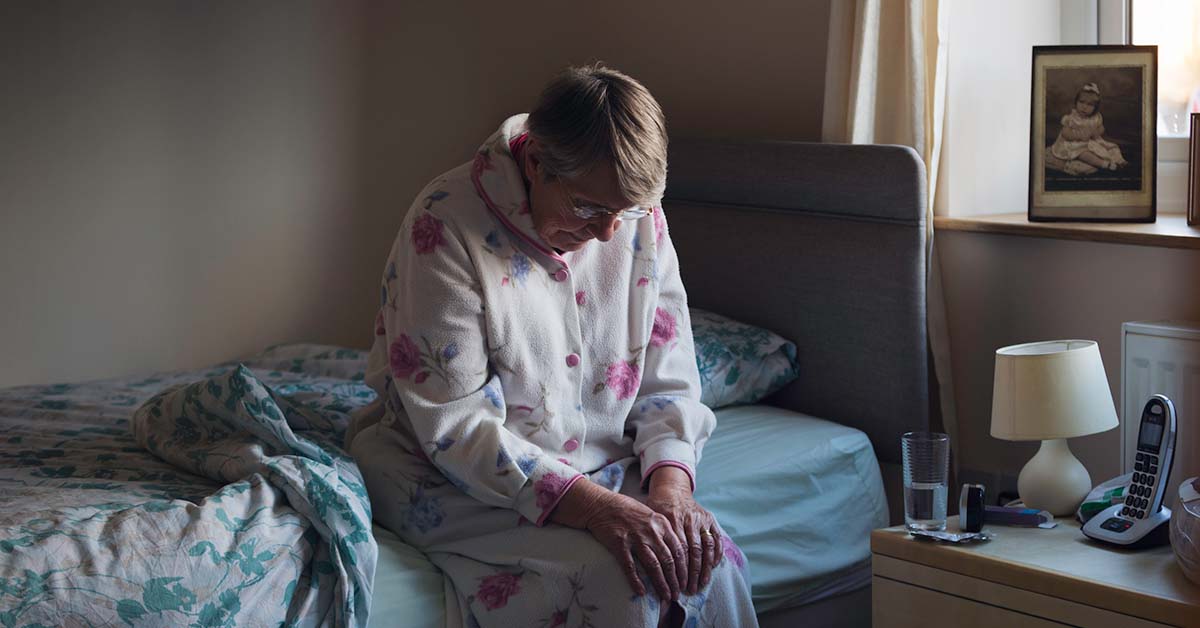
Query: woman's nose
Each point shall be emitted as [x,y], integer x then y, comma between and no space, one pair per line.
[605,229]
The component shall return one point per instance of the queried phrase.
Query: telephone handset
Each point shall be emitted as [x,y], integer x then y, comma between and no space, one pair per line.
[1141,520]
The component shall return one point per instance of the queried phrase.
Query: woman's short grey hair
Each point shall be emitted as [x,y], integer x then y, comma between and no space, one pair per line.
[591,115]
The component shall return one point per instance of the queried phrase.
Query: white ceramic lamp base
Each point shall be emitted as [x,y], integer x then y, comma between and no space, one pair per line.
[1054,480]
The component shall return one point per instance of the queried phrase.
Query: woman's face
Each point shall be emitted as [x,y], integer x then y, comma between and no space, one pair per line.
[551,203]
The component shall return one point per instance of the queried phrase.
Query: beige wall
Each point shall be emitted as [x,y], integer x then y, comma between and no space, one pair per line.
[175,182]
[182,183]
[1003,290]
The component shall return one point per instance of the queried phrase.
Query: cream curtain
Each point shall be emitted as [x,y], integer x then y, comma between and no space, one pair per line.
[885,83]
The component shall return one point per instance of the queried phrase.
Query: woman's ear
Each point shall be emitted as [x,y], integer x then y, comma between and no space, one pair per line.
[531,162]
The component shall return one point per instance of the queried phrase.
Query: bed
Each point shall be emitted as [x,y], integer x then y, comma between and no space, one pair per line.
[823,244]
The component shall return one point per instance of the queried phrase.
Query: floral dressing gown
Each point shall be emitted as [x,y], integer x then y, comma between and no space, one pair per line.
[506,372]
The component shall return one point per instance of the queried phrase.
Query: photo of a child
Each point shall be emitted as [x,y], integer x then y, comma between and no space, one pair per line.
[1092,136]
[1081,147]
[1093,129]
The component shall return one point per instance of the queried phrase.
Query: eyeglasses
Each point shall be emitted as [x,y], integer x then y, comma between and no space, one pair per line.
[588,211]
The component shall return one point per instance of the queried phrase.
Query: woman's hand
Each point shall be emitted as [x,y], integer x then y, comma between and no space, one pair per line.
[671,495]
[632,532]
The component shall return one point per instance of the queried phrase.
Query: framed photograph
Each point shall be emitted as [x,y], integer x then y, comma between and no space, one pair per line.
[1093,133]
[1193,197]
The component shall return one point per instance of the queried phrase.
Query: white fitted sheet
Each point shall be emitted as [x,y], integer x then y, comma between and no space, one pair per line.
[799,495]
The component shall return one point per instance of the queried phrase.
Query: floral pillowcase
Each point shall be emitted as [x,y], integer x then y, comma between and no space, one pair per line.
[739,363]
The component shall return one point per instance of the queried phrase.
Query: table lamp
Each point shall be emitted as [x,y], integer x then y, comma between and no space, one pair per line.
[1051,391]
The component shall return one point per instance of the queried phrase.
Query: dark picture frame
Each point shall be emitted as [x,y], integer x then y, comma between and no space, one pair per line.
[1193,194]
[1093,135]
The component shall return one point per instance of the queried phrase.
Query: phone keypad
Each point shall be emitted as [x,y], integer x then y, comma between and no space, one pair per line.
[1141,488]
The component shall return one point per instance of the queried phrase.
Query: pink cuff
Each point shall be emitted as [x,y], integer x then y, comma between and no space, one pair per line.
[667,463]
[549,509]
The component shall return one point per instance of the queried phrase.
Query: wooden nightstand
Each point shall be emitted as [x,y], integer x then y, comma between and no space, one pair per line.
[1026,577]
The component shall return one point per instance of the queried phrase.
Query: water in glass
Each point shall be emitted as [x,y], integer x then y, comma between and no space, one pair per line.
[926,461]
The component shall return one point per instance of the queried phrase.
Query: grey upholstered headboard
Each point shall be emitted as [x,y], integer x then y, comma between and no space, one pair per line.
[825,245]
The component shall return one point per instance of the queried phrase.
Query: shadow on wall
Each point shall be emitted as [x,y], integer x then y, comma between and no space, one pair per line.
[177,180]
[185,183]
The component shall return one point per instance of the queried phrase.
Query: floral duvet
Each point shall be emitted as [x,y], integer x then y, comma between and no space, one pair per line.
[217,497]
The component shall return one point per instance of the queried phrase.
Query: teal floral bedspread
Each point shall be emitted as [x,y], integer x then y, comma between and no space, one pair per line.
[217,497]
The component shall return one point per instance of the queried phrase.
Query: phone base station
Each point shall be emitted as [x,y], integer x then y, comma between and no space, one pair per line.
[1108,527]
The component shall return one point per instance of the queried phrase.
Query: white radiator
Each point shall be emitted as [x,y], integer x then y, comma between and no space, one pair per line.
[1162,357]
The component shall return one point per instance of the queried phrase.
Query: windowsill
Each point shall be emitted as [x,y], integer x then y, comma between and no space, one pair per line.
[1170,231]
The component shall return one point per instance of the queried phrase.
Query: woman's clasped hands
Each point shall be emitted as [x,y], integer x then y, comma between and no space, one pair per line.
[637,535]
[672,539]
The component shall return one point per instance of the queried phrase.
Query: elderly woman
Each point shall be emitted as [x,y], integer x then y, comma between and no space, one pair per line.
[533,356]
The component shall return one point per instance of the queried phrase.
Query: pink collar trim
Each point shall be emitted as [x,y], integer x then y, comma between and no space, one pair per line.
[483,162]
[516,146]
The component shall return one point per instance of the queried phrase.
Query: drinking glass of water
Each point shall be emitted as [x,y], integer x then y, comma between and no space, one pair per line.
[926,466]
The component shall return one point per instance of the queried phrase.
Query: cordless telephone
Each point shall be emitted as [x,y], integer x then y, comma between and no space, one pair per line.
[1141,520]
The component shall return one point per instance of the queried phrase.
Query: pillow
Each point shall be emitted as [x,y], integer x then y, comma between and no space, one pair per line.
[739,363]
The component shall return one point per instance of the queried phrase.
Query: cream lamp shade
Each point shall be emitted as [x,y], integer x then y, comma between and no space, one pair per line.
[1051,391]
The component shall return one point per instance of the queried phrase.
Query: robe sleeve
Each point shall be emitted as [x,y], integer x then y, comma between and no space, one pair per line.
[438,363]
[669,422]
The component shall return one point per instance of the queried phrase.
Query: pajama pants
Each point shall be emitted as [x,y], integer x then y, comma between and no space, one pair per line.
[502,571]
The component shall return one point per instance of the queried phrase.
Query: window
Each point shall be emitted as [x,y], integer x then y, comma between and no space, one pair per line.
[1174,26]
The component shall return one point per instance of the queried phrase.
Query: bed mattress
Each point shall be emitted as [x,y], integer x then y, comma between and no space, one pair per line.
[407,585]
[800,496]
